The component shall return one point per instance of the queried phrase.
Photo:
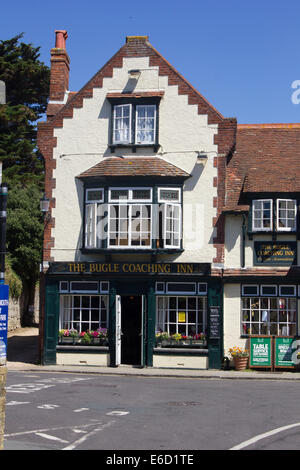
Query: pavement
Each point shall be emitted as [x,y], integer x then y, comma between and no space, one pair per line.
[22,355]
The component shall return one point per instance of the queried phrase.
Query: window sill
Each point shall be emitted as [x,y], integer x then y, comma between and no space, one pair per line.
[109,251]
[133,147]
[185,351]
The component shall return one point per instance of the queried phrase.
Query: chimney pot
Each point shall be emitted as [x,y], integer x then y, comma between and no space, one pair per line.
[60,40]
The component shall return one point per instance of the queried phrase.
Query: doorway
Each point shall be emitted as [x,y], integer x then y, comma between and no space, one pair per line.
[131,327]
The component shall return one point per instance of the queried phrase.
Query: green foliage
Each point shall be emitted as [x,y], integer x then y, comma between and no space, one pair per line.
[27,88]
[24,231]
[13,280]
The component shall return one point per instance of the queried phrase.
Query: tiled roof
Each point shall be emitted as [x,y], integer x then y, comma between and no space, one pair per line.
[266,159]
[134,166]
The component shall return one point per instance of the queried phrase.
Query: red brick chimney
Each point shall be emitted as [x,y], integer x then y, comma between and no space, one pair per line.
[60,67]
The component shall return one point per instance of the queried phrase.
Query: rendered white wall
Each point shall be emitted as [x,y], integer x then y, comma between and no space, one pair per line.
[182,132]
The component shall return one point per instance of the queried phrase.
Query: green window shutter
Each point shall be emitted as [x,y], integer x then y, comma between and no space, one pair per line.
[51,322]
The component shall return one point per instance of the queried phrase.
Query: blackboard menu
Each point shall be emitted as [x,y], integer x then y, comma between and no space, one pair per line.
[214,329]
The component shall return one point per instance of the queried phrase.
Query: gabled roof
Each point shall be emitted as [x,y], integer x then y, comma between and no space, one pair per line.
[134,166]
[266,160]
[139,46]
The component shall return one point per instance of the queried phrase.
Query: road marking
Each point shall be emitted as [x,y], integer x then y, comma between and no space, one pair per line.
[52,438]
[87,436]
[80,409]
[47,407]
[58,428]
[17,403]
[117,413]
[263,436]
[27,388]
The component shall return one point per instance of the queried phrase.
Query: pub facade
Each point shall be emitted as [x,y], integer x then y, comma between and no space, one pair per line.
[172,232]
[133,240]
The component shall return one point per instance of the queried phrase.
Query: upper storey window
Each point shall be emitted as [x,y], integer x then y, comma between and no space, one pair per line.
[134,124]
[280,215]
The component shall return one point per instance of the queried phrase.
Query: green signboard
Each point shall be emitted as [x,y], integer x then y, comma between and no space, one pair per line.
[260,351]
[283,352]
[275,253]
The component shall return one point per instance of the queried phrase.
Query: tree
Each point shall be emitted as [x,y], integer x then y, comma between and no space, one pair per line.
[27,88]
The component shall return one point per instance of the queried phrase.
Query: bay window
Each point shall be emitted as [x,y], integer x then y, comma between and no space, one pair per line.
[121,217]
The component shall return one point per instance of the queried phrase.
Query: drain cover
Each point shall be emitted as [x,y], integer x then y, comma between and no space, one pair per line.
[184,403]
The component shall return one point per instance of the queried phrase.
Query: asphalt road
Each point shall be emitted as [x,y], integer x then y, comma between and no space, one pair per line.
[63,411]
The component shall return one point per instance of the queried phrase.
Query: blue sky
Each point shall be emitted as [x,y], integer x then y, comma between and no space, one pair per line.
[242,56]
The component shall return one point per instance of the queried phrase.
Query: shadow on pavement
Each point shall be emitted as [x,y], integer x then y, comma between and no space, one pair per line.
[23,349]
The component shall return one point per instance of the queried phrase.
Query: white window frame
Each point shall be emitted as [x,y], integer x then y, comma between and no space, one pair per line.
[130,202]
[267,295]
[162,314]
[169,201]
[165,207]
[288,295]
[286,229]
[160,291]
[256,308]
[69,319]
[179,292]
[94,201]
[130,194]
[63,290]
[261,228]
[250,285]
[145,142]
[129,141]
[198,288]
[79,291]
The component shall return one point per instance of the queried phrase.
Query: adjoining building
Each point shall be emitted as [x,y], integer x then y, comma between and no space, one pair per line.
[160,213]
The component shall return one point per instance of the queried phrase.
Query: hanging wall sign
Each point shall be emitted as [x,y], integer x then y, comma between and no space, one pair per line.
[214,323]
[277,253]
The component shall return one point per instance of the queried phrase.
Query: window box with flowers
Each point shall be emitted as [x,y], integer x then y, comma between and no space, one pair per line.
[84,338]
[177,340]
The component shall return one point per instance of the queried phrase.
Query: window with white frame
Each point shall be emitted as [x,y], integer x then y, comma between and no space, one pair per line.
[262,218]
[186,315]
[169,200]
[130,219]
[286,214]
[145,124]
[83,312]
[122,124]
[273,312]
[285,218]
[134,124]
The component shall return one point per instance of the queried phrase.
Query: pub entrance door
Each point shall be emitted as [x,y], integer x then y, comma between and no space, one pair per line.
[130,326]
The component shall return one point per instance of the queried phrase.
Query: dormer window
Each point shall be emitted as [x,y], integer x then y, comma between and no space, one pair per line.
[269,215]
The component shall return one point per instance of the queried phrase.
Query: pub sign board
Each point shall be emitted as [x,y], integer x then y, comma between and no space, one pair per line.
[113,268]
[284,352]
[4,301]
[214,322]
[261,351]
[275,253]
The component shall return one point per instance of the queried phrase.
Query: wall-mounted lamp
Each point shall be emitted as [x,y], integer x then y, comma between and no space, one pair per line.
[202,157]
[134,73]
[44,207]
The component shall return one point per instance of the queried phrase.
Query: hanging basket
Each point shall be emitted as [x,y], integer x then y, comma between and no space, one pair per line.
[240,363]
